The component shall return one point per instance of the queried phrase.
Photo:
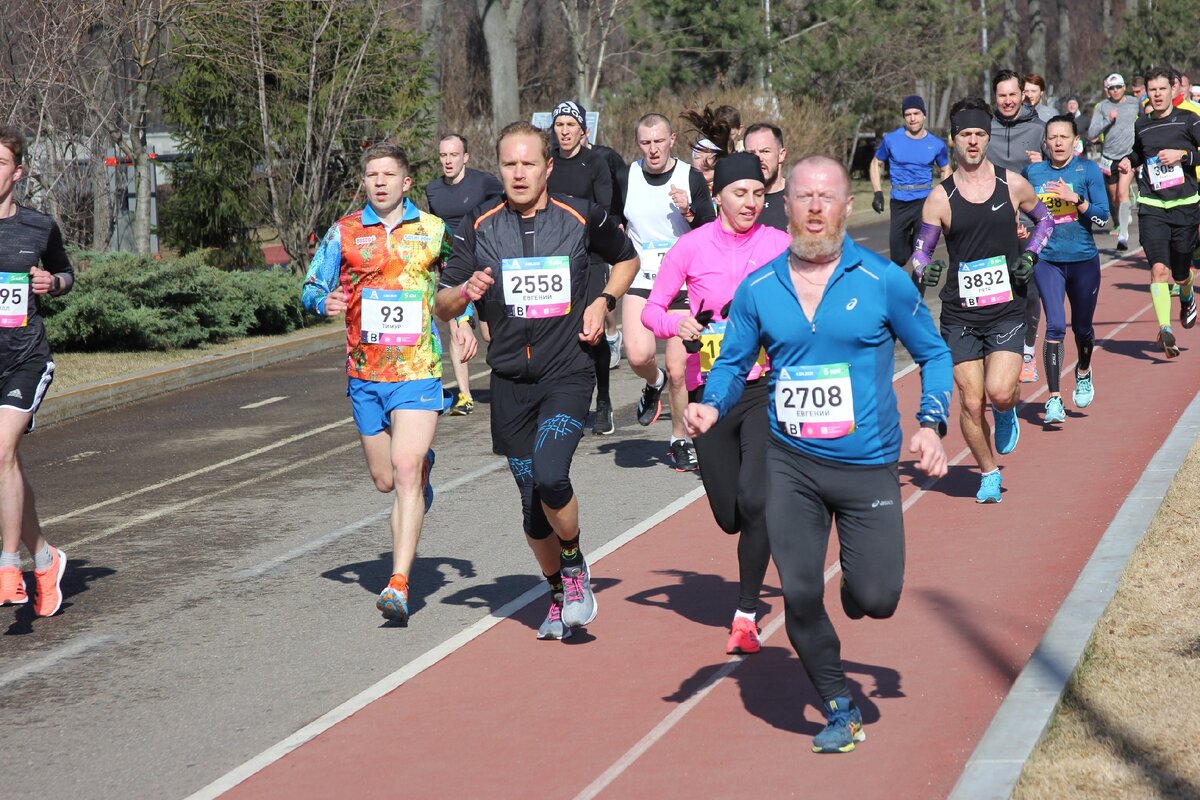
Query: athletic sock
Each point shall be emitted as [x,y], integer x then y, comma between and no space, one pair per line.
[1052,356]
[1185,288]
[555,582]
[675,439]
[1030,352]
[403,580]
[570,555]
[662,378]
[1160,295]
[1084,348]
[10,559]
[989,472]
[740,614]
[43,558]
[1123,215]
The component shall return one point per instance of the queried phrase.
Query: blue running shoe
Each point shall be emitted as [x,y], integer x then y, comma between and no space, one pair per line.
[393,600]
[845,728]
[429,459]
[1006,430]
[1084,391]
[1054,411]
[989,488]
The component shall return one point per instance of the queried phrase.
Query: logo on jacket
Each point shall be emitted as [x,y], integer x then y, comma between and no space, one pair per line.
[853,302]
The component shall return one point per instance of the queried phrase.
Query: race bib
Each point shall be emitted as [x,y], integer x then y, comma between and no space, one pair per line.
[815,402]
[651,254]
[14,299]
[392,317]
[984,282]
[710,347]
[537,288]
[1060,209]
[1106,165]
[1162,176]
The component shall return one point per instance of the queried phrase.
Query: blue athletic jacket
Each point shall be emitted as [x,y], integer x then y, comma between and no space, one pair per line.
[868,303]
[1072,237]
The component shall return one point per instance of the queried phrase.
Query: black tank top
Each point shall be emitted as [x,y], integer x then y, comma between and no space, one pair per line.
[979,232]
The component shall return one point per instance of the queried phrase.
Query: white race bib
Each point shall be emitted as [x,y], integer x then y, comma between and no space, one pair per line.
[392,317]
[814,402]
[1162,176]
[710,346]
[537,288]
[984,282]
[651,254]
[1106,165]
[14,299]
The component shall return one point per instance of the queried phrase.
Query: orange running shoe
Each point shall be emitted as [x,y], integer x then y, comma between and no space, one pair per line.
[1029,370]
[48,590]
[393,601]
[743,638]
[12,587]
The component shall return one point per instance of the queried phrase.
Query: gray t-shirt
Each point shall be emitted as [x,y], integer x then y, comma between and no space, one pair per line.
[1118,134]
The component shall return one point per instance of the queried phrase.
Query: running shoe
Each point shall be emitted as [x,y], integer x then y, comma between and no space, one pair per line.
[603,424]
[579,602]
[1166,340]
[48,597]
[1006,430]
[989,488]
[614,349]
[1187,311]
[430,457]
[463,406]
[393,601]
[1174,290]
[650,404]
[683,453]
[12,587]
[844,730]
[1029,373]
[1054,411]
[743,638]
[1084,392]
[552,627]
[1122,244]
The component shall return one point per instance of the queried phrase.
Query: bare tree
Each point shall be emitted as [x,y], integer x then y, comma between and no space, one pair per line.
[501,19]
[590,26]
[1063,40]
[1037,38]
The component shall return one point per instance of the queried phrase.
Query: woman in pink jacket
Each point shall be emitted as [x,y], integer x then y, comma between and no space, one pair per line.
[712,260]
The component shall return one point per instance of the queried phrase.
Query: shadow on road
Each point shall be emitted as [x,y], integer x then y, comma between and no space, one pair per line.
[705,599]
[428,576]
[76,580]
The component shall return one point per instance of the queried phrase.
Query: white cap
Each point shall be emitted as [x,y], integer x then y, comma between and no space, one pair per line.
[1114,80]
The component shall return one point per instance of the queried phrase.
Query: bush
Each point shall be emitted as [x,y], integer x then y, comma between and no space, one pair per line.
[127,302]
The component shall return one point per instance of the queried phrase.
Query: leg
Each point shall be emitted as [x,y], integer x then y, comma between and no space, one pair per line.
[641,348]
[1124,210]
[1051,282]
[870,526]
[1083,290]
[18,518]
[1001,368]
[1033,315]
[968,379]
[677,391]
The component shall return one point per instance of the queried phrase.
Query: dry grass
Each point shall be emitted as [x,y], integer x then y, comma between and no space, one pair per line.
[1127,724]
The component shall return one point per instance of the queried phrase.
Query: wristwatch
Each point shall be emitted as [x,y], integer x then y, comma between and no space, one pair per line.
[937,427]
[610,300]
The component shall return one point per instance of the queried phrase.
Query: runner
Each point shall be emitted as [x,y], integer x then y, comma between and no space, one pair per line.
[1113,119]
[711,261]
[525,263]
[1016,142]
[766,141]
[1033,93]
[451,196]
[1165,151]
[983,301]
[910,152]
[664,198]
[27,238]
[704,159]
[379,267]
[1073,190]
[612,334]
[829,313]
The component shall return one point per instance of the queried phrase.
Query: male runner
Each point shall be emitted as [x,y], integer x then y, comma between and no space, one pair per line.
[1113,119]
[1166,151]
[457,191]
[1033,94]
[910,152]
[829,313]
[612,334]
[1073,190]
[766,141]
[378,267]
[27,238]
[525,263]
[664,199]
[983,301]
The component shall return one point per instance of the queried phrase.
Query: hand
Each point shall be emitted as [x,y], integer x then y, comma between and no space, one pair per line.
[933,272]
[1034,156]
[1022,232]
[335,301]
[877,203]
[1169,158]
[931,456]
[1022,268]
[699,418]
[689,328]
[679,198]
[464,337]
[40,281]
[477,285]
[1061,190]
[1112,115]
[1123,166]
[593,321]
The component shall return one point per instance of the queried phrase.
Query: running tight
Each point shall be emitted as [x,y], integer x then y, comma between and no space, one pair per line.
[1076,282]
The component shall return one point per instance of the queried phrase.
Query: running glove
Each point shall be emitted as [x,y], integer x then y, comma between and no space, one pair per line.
[703,317]
[1022,268]
[877,203]
[932,272]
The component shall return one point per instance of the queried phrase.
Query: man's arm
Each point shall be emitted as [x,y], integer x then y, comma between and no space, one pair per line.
[454,293]
[609,242]
[324,272]
[935,215]
[1024,198]
[875,172]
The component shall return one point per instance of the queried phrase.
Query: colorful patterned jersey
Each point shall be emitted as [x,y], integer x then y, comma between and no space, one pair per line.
[390,278]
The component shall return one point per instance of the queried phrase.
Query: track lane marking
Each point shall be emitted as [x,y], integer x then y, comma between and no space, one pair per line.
[262,403]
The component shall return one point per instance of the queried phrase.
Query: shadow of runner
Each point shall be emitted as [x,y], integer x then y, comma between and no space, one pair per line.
[1143,350]
[962,480]
[703,598]
[76,580]
[427,577]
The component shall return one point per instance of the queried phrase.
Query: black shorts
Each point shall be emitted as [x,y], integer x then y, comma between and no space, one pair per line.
[521,411]
[969,343]
[1114,174]
[24,386]
[678,303]
[1169,236]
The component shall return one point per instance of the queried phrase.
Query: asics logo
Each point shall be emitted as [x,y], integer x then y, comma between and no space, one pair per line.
[878,503]
[997,208]
[853,302]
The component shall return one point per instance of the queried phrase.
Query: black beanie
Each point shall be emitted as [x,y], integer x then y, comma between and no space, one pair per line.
[734,168]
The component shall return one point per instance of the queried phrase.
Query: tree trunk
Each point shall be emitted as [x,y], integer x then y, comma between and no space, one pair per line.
[1063,41]
[1012,31]
[1037,38]
[499,31]
[435,37]
[1106,20]
[102,211]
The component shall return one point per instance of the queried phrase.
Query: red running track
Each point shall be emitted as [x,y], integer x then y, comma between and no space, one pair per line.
[614,713]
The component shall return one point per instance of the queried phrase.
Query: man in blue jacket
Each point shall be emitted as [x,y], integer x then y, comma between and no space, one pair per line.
[828,313]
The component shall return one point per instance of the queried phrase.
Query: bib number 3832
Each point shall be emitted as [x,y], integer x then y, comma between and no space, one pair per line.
[537,288]
[392,317]
[984,282]
[14,299]
[815,402]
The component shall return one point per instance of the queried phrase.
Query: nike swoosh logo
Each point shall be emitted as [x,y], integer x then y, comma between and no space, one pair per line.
[425,399]
[1001,338]
[997,208]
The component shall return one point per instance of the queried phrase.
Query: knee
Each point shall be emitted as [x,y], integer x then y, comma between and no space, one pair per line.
[805,600]
[639,356]
[1159,273]
[553,486]
[877,602]
[408,473]
[972,407]
[676,374]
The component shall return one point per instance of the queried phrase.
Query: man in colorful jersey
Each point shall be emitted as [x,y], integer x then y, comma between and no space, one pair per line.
[1072,188]
[379,268]
[1166,152]
[525,264]
[983,301]
[1113,119]
[765,140]
[27,238]
[829,313]
[710,262]
[911,152]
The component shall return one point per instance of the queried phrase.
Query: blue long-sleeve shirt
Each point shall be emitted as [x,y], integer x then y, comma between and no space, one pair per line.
[1072,237]
[868,303]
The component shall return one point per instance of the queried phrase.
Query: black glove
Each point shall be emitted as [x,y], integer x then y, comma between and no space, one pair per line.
[932,273]
[1022,267]
[877,203]
[703,317]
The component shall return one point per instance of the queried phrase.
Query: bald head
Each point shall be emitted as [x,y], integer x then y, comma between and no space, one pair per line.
[818,200]
[830,170]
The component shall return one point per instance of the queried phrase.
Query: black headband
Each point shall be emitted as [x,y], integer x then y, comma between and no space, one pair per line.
[970,118]
[734,168]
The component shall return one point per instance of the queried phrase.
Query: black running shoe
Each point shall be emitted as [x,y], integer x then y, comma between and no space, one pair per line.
[1166,340]
[1187,311]
[683,453]
[603,424]
[650,405]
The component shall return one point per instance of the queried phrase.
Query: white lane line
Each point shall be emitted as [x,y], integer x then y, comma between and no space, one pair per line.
[423,662]
[262,403]
[71,649]
[353,527]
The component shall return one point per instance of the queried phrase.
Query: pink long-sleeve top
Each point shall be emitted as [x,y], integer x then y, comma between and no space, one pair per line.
[712,262]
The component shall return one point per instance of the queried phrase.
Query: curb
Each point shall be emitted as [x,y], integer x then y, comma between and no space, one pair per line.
[115,392]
